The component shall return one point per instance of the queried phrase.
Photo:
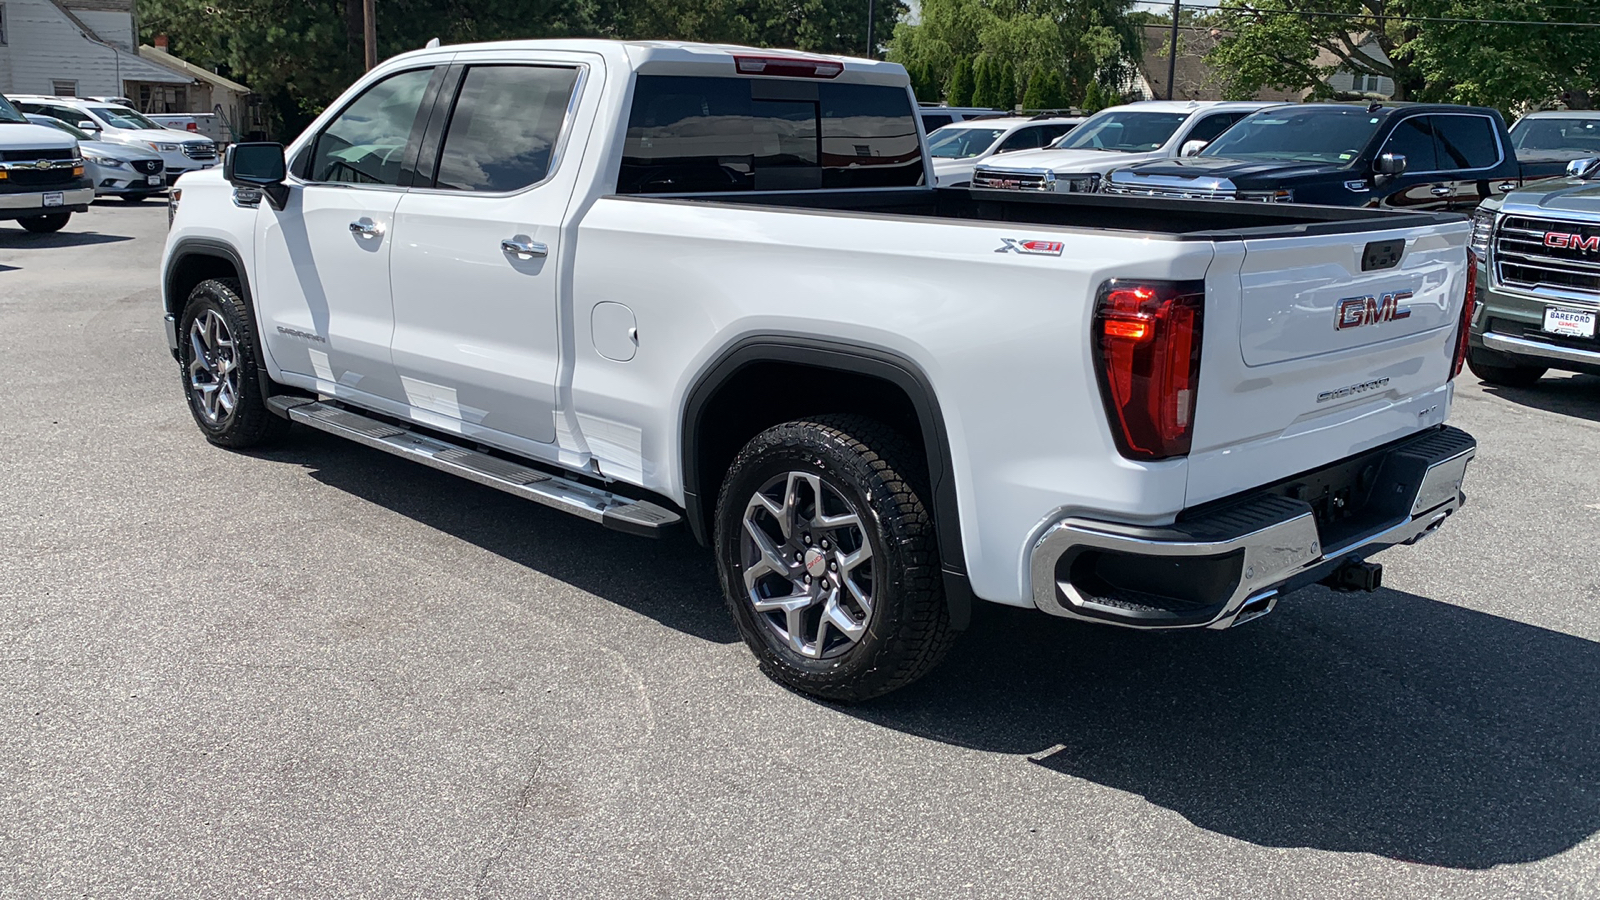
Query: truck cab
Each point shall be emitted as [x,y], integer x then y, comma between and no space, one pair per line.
[42,180]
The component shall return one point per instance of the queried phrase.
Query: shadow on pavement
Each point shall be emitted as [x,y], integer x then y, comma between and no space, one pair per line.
[671,580]
[1577,396]
[1388,723]
[23,240]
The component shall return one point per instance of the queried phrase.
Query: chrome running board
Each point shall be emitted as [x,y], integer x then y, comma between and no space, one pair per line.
[611,510]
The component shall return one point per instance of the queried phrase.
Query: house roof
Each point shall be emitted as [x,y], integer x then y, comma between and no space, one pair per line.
[1195,78]
[129,65]
[196,72]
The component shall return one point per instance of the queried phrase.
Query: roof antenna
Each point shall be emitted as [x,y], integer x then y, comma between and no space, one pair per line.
[1374,106]
[432,43]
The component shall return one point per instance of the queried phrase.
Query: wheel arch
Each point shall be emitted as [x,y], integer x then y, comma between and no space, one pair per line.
[193,260]
[712,432]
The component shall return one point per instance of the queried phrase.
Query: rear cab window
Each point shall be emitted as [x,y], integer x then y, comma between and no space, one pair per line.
[689,134]
[1466,141]
[505,127]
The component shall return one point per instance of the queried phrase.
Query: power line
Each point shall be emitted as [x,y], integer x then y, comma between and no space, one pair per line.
[1246,10]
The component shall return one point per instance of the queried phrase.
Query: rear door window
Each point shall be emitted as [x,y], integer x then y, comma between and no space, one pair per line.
[503,131]
[690,135]
[1211,127]
[1466,142]
[1413,138]
[1021,139]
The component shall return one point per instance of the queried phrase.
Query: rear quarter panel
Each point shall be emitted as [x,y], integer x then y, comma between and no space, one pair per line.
[1002,338]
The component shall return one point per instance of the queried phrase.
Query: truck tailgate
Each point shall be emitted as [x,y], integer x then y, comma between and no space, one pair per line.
[1318,347]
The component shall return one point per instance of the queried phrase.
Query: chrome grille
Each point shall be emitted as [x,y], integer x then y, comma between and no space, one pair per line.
[200,150]
[1548,254]
[1002,180]
[1112,187]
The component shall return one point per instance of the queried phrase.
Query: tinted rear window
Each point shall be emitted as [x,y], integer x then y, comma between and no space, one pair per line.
[1466,142]
[691,134]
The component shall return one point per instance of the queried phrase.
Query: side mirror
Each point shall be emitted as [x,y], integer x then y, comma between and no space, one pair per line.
[1390,164]
[87,125]
[260,166]
[1192,148]
[1582,168]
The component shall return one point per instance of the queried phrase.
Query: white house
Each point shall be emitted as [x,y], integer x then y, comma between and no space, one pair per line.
[89,48]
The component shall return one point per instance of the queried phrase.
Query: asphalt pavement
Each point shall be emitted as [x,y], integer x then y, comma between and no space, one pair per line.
[320,671]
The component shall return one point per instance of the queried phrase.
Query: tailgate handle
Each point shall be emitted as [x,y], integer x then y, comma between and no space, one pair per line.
[1382,255]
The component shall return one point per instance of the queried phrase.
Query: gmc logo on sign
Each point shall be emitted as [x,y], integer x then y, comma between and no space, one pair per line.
[1355,312]
[1571,241]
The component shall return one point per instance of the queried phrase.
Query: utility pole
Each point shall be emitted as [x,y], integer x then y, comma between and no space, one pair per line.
[872,14]
[369,27]
[1172,58]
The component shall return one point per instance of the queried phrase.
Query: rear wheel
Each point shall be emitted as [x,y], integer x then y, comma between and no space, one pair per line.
[221,374]
[1505,375]
[45,224]
[828,558]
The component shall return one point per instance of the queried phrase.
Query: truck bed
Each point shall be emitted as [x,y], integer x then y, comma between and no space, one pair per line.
[1198,220]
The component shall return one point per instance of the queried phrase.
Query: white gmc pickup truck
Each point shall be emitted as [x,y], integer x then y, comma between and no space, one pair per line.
[658,283]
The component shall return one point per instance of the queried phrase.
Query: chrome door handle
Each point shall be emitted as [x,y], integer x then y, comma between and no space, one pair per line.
[1441,191]
[522,248]
[1508,186]
[366,228]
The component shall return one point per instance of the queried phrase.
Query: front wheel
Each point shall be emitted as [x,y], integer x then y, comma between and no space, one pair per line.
[1508,376]
[221,374]
[828,558]
[45,224]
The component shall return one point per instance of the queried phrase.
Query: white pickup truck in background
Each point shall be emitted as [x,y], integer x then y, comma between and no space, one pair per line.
[1113,138]
[653,283]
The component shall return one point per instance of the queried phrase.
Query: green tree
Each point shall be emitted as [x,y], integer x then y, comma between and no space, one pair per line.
[1096,98]
[1300,44]
[963,84]
[1047,89]
[1085,40]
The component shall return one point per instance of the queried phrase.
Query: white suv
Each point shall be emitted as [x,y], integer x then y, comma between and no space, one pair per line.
[180,151]
[957,148]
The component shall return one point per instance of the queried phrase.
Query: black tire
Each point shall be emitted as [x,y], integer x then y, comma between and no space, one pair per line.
[248,423]
[45,224]
[1518,376]
[881,475]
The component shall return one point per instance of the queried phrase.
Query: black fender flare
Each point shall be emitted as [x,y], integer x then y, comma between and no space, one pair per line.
[187,248]
[859,359]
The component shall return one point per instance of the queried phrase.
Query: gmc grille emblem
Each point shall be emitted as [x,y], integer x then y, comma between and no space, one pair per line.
[1355,312]
[1564,241]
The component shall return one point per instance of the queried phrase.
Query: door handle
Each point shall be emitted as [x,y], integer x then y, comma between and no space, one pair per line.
[1507,186]
[365,228]
[522,248]
[1441,191]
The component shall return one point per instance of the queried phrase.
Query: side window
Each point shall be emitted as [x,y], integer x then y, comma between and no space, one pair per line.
[1466,142]
[366,143]
[929,123]
[1049,134]
[1022,139]
[504,128]
[1211,127]
[689,135]
[1414,139]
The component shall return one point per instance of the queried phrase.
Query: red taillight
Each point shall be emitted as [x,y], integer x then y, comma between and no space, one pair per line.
[788,66]
[1147,355]
[192,126]
[1469,305]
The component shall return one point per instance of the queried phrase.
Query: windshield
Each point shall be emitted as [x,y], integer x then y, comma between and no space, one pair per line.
[1123,132]
[961,143]
[61,126]
[1326,134]
[8,113]
[122,117]
[1557,135]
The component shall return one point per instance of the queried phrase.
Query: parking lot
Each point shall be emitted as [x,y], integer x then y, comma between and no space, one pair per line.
[322,671]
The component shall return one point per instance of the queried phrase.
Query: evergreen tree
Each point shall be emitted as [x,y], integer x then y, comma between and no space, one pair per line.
[963,84]
[983,78]
[1047,89]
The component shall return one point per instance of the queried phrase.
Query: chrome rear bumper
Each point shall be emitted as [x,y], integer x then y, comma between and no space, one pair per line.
[1231,562]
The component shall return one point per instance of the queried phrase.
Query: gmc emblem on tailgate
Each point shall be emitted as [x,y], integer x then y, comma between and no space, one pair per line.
[1571,241]
[1355,312]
